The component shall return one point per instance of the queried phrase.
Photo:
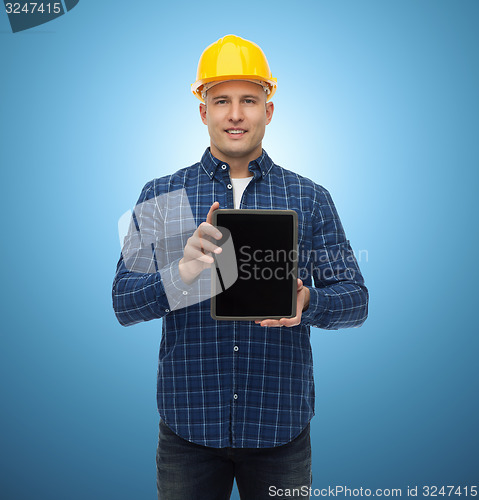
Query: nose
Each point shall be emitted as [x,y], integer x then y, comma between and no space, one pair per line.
[235,111]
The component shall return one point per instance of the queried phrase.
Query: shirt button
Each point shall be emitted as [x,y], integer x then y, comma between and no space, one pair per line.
[223,167]
[229,186]
[236,396]
[185,292]
[211,173]
[264,173]
[235,348]
[167,310]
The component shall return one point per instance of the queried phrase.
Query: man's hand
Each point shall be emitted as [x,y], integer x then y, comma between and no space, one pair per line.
[197,254]
[302,303]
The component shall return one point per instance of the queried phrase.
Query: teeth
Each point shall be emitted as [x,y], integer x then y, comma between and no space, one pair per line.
[236,131]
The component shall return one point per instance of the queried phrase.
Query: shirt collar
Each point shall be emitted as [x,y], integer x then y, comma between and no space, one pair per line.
[260,167]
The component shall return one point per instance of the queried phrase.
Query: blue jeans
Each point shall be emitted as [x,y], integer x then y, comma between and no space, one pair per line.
[188,471]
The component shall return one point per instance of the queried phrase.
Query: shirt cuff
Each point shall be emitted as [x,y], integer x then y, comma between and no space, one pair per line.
[179,293]
[318,304]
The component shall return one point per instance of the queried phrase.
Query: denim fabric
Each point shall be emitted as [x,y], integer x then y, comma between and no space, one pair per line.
[190,471]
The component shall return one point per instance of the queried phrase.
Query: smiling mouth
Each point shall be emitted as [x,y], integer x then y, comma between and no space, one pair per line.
[237,132]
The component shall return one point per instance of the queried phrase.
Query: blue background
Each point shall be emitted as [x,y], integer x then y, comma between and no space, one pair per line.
[377,101]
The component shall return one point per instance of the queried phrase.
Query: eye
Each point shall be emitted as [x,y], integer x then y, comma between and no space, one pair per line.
[220,101]
[249,101]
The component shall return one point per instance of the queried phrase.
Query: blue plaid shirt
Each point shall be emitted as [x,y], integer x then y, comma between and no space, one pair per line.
[235,383]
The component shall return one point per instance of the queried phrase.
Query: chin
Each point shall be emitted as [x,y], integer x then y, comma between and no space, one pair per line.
[238,154]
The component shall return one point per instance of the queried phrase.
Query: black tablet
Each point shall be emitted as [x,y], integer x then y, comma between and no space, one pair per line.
[255,275]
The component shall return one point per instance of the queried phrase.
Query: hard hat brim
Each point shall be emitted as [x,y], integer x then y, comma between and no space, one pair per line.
[197,87]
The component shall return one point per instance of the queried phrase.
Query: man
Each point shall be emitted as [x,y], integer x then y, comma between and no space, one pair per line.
[235,397]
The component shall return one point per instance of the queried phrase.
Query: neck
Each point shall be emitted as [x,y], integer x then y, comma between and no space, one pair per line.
[239,170]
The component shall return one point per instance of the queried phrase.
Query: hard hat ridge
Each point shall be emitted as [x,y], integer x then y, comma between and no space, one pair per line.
[207,86]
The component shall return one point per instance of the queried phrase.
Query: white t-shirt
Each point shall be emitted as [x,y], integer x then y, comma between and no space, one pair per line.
[239,186]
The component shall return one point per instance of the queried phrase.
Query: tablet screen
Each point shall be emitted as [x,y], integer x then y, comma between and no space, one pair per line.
[265,248]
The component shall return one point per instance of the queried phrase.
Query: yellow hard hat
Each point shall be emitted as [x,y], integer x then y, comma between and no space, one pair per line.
[232,58]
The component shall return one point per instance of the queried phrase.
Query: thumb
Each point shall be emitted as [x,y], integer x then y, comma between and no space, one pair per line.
[209,217]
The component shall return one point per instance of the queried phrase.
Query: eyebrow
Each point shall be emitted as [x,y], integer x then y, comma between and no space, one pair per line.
[247,96]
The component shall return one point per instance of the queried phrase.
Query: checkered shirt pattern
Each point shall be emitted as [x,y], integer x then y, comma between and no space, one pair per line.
[235,383]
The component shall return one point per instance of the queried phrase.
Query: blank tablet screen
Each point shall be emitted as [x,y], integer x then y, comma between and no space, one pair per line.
[265,249]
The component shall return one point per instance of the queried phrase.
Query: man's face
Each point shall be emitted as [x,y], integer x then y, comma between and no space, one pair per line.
[236,113]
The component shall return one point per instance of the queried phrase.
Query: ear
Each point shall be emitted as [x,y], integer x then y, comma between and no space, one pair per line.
[269,112]
[203,113]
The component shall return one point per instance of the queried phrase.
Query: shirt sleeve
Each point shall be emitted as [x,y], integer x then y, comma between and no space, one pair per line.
[147,283]
[339,298]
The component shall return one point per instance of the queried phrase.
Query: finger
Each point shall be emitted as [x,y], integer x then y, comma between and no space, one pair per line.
[203,245]
[300,284]
[207,259]
[209,217]
[290,321]
[282,322]
[206,229]
[195,254]
[269,322]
